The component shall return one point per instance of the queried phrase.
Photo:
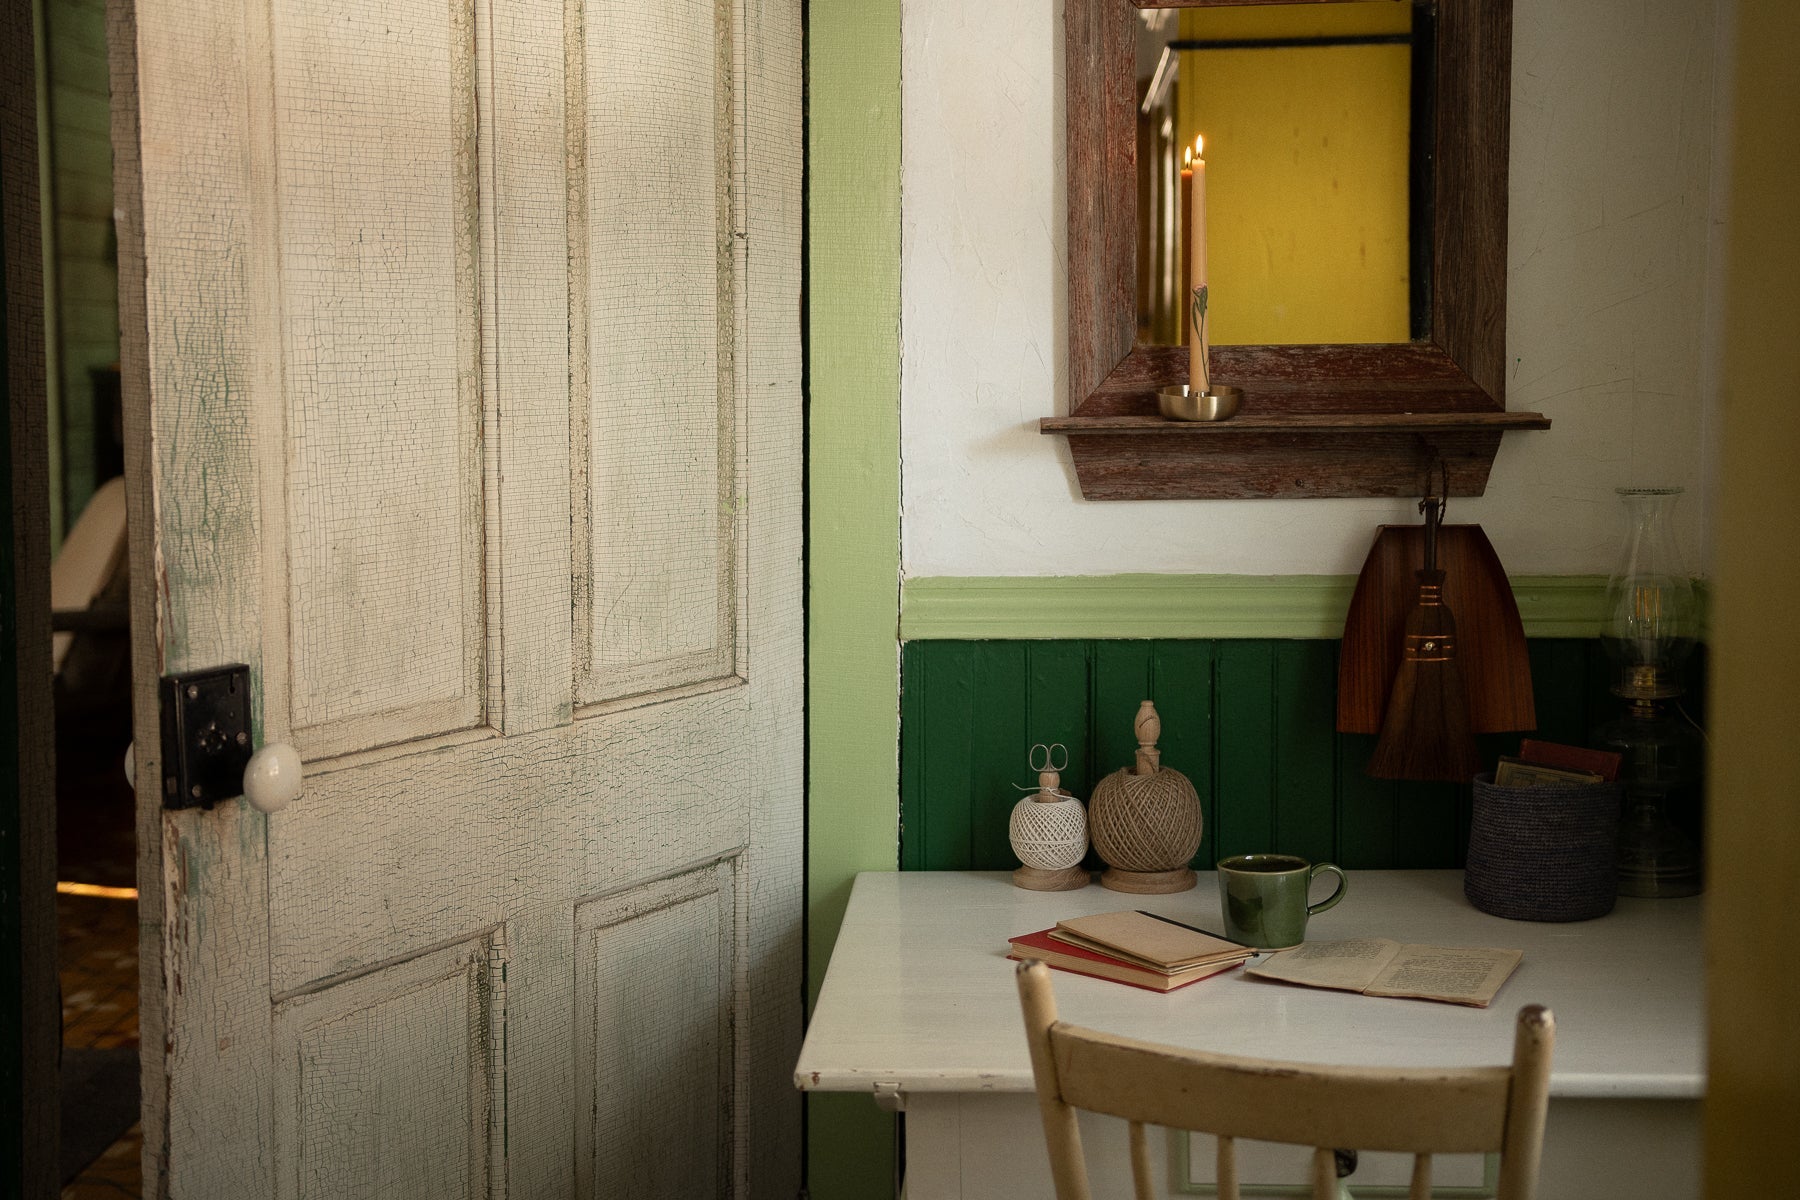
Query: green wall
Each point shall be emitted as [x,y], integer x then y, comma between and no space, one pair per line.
[853,517]
[1249,721]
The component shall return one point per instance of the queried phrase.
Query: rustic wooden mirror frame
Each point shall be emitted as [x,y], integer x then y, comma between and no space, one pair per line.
[1317,420]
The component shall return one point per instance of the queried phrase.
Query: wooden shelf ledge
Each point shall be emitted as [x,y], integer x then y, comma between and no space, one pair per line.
[1268,455]
[1338,423]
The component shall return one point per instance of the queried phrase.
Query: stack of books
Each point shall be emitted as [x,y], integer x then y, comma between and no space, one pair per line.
[1548,764]
[1138,948]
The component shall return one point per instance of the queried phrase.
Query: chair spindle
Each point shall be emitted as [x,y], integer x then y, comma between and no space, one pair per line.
[1227,1173]
[1068,1169]
[1324,1174]
[1141,1177]
[1534,1037]
[1421,1178]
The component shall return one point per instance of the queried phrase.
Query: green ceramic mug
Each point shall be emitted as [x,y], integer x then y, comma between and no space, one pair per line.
[1264,898]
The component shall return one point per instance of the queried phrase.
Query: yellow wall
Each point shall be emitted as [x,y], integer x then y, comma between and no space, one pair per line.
[1753,850]
[1306,172]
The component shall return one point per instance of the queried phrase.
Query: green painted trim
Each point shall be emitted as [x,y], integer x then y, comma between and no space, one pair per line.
[853,518]
[1194,606]
[1566,606]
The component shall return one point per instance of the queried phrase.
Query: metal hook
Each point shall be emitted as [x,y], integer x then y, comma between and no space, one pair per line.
[1441,496]
[1049,756]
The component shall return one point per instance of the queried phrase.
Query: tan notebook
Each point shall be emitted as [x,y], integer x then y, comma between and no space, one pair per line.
[1156,942]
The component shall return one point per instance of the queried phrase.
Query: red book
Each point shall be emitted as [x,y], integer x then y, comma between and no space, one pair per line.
[1066,957]
[1603,763]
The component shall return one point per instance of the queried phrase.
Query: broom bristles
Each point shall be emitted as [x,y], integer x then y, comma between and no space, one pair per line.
[1425,734]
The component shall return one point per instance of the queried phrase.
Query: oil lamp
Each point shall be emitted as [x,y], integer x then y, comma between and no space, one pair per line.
[1648,632]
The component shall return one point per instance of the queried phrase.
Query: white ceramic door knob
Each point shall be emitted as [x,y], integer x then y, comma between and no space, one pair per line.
[272,777]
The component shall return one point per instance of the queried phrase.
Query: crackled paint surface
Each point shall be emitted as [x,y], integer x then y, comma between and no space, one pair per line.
[529,609]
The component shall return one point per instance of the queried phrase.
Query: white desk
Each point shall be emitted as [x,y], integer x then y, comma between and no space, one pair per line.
[919,1009]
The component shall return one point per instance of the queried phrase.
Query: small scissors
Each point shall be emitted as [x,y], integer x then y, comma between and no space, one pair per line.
[1049,757]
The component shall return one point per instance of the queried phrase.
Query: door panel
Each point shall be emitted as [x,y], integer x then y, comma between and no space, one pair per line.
[657,1082]
[398,1080]
[655,392]
[384,859]
[380,407]
[381,256]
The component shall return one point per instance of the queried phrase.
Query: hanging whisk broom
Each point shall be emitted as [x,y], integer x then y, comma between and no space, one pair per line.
[1425,734]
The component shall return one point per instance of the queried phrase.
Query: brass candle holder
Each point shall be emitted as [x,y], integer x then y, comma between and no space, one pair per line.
[1183,404]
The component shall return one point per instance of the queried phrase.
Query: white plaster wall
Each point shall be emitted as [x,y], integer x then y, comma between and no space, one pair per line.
[1613,245]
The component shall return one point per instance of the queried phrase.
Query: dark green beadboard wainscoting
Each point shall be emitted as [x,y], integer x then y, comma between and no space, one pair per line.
[1249,720]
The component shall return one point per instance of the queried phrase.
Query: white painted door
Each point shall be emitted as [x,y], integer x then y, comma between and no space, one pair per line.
[463,347]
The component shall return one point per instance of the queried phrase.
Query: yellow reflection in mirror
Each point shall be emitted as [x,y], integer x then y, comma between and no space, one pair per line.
[1307,175]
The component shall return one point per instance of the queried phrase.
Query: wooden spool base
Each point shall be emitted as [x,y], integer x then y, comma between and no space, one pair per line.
[1148,883]
[1039,879]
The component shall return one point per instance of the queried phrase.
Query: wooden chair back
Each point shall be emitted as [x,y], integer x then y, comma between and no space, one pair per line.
[1419,1111]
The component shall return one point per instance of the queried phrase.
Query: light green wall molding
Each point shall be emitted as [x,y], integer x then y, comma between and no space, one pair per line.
[1195,606]
[853,519]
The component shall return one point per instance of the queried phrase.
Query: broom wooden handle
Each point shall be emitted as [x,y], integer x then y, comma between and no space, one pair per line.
[1433,509]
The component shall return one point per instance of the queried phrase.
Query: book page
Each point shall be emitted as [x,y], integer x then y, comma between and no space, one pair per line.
[1350,965]
[1458,975]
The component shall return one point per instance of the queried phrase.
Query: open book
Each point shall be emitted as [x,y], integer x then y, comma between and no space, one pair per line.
[1378,967]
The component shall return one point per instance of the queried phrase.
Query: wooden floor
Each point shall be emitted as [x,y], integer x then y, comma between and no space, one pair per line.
[113,1174]
[96,843]
[97,957]
[97,937]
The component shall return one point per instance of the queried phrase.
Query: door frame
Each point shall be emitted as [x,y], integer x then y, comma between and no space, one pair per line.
[30,1017]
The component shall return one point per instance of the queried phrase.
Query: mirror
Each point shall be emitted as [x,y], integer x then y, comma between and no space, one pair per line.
[1455,360]
[1306,112]
[1317,419]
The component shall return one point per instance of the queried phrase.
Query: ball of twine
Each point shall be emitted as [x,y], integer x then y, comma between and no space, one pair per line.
[1051,835]
[1145,822]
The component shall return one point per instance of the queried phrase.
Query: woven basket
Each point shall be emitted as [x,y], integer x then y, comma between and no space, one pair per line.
[1543,853]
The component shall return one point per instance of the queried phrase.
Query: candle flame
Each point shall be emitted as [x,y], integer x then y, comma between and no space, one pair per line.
[1199,143]
[1187,158]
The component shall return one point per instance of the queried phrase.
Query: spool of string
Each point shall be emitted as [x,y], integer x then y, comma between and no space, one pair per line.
[1145,821]
[1048,829]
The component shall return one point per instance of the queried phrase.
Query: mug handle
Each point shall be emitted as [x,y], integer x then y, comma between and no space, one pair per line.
[1342,887]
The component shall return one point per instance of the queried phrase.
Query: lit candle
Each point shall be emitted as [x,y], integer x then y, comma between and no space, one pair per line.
[1183,289]
[1199,369]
